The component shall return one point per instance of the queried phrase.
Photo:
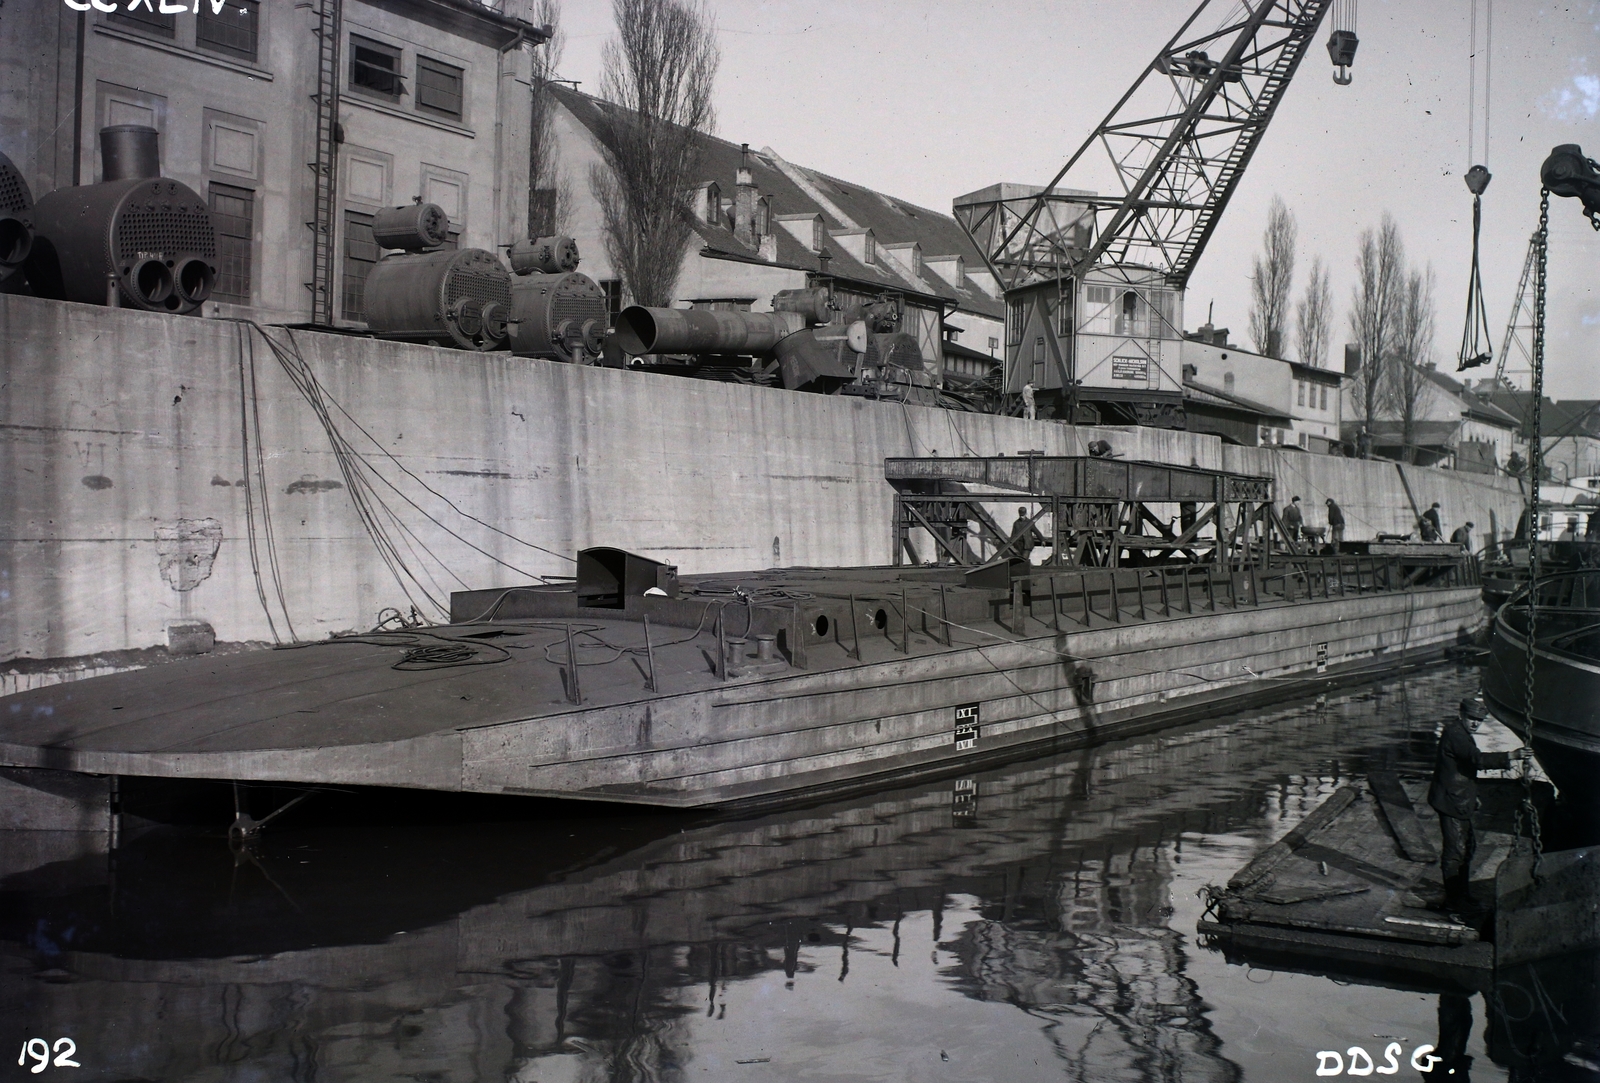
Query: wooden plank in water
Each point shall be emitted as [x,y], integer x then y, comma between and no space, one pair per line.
[1402,817]
[1320,817]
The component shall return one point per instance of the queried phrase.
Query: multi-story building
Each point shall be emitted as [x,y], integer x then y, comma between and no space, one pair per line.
[429,101]
[1304,401]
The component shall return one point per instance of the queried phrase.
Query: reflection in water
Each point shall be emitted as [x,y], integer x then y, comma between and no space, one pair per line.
[1021,923]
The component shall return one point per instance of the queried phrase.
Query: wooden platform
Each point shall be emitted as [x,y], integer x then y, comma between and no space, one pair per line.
[1358,881]
[875,673]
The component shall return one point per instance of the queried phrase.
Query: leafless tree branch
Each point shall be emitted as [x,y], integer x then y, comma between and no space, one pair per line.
[1270,281]
[658,74]
[1314,316]
[1374,314]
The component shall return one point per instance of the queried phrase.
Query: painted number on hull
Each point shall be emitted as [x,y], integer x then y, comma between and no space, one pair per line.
[1322,658]
[966,727]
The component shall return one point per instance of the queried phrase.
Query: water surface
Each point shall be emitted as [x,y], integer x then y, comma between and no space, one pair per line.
[1034,922]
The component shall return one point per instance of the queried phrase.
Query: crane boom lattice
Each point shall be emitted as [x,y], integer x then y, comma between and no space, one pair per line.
[1176,143]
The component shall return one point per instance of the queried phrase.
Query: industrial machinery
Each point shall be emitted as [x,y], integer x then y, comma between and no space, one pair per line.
[814,339]
[1094,282]
[16,222]
[556,313]
[443,297]
[135,239]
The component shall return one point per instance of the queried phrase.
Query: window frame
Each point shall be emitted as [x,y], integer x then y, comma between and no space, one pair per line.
[382,48]
[225,252]
[148,21]
[356,217]
[435,66]
[206,17]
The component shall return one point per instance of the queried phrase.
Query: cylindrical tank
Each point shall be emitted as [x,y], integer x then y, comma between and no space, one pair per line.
[446,298]
[556,315]
[812,303]
[546,256]
[16,221]
[643,330]
[130,152]
[421,225]
[151,240]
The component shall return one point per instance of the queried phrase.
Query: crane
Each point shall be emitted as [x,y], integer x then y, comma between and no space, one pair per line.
[1093,282]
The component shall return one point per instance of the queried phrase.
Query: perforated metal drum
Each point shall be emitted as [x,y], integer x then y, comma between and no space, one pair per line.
[446,298]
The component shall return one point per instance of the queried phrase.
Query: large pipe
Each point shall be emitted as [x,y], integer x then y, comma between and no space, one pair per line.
[130,152]
[643,330]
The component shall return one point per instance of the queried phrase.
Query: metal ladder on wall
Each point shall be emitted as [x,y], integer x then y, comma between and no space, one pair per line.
[325,168]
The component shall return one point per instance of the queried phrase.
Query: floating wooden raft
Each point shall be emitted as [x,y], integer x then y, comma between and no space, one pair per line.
[1351,884]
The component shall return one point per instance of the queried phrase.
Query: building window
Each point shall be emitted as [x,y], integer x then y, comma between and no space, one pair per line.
[361,254]
[1300,392]
[438,88]
[1324,396]
[233,214]
[613,290]
[1064,316]
[375,68]
[233,30]
[994,344]
[1015,318]
[1227,382]
[144,17]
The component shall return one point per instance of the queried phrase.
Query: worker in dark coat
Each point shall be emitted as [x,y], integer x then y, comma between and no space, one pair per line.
[1022,535]
[1293,519]
[1454,796]
[1432,527]
[1462,536]
[1335,524]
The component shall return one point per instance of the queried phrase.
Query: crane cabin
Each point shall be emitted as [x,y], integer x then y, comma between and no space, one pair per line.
[1098,349]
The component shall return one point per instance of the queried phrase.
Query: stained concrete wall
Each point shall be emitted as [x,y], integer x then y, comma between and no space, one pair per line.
[141,454]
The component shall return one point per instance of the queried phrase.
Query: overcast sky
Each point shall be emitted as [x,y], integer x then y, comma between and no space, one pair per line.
[931,100]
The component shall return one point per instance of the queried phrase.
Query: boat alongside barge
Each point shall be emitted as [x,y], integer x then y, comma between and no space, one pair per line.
[1169,593]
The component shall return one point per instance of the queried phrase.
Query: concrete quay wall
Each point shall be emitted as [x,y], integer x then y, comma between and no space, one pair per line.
[156,469]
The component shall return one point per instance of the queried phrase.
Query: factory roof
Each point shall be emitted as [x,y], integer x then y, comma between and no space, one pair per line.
[847,210]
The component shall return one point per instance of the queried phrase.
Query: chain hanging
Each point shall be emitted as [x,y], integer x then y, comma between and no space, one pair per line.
[1527,810]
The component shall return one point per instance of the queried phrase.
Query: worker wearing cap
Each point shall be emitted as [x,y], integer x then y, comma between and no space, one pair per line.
[1335,524]
[1293,519]
[1432,526]
[1454,796]
[1462,536]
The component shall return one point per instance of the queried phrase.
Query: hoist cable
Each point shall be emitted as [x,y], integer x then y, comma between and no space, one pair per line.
[1475,334]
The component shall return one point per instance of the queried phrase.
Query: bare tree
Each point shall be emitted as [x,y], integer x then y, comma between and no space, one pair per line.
[1314,316]
[1413,351]
[549,191]
[1271,279]
[1374,313]
[658,73]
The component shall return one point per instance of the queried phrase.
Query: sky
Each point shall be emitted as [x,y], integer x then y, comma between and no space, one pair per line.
[928,101]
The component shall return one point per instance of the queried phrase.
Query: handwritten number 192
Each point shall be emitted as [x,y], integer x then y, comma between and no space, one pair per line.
[36,1048]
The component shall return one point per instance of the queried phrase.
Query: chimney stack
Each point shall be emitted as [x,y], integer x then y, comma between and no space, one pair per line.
[744,201]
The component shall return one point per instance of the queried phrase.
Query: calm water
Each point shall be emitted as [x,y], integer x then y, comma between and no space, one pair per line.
[1029,923]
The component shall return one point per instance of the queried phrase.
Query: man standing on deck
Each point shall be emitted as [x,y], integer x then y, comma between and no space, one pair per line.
[1454,796]
[1432,528]
[1293,519]
[1335,524]
[1022,536]
[1462,536]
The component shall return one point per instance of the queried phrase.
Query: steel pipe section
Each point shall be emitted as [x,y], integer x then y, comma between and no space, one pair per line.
[643,330]
[146,243]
